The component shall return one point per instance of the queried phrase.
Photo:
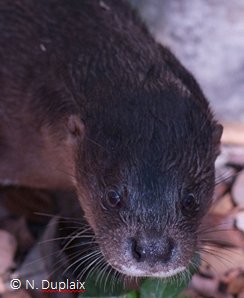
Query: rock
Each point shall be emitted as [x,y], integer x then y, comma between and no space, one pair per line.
[224,178]
[19,229]
[207,287]
[223,205]
[239,221]
[233,133]
[233,155]
[238,190]
[236,282]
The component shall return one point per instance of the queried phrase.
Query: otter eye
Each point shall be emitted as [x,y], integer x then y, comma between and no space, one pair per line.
[190,205]
[112,199]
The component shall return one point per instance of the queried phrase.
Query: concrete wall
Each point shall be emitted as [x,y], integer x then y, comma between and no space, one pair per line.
[208,37]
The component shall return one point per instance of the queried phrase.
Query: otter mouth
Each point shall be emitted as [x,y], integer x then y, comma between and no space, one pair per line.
[148,256]
[134,271]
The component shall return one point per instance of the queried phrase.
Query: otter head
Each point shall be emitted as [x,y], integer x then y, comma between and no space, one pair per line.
[145,178]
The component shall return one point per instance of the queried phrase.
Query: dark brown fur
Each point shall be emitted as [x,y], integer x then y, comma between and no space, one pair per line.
[89,100]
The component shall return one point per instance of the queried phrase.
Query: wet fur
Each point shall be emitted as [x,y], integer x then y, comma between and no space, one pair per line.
[89,100]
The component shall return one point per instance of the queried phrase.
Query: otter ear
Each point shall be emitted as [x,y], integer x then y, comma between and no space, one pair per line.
[217,133]
[75,127]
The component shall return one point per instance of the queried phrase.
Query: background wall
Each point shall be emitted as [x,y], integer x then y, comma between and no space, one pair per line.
[208,37]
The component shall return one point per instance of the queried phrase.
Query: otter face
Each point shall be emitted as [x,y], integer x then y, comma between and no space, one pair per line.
[148,185]
[149,228]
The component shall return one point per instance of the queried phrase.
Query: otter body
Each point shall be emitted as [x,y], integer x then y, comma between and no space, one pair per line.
[90,101]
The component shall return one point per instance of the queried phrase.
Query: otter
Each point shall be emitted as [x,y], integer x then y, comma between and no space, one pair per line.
[90,101]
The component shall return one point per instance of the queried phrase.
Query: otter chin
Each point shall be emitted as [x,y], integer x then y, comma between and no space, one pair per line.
[134,271]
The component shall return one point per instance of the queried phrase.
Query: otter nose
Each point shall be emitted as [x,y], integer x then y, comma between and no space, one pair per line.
[152,251]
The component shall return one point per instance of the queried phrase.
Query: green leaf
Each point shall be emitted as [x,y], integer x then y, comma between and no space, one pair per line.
[150,287]
[132,294]
[156,288]
[106,287]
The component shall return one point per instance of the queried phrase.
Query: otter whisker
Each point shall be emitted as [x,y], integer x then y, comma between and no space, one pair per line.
[218,243]
[212,251]
[58,238]
[184,276]
[62,218]
[103,272]
[57,265]
[96,143]
[225,177]
[82,260]
[65,172]
[214,231]
[98,254]
[206,227]
[108,274]
[55,253]
[76,229]
[71,257]
[99,261]
[100,270]
[76,235]
[80,245]
[114,279]
[202,259]
[157,286]
[216,254]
